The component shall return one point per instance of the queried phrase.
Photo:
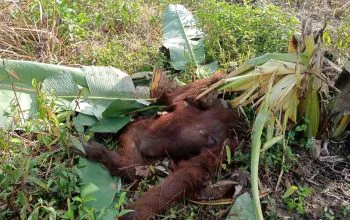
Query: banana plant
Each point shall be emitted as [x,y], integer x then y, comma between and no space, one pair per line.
[274,84]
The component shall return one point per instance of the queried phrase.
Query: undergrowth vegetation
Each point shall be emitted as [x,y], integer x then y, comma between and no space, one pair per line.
[127,35]
[38,172]
[239,32]
[38,175]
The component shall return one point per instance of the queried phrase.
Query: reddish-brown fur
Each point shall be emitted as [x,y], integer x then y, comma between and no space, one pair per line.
[191,134]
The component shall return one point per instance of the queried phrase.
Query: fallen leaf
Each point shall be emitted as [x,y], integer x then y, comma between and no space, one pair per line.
[216,191]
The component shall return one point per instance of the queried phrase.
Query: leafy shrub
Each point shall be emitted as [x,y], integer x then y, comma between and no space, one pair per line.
[237,32]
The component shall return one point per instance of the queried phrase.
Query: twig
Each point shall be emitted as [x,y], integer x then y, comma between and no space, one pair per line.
[280,175]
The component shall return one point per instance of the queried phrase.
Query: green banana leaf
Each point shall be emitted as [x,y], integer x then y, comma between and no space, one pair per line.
[89,89]
[98,187]
[243,209]
[181,36]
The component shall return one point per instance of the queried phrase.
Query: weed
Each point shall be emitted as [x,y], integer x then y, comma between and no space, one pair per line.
[294,198]
[118,205]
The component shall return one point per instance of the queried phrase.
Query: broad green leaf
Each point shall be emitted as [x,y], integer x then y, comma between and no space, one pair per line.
[89,189]
[97,183]
[181,36]
[8,98]
[62,85]
[110,125]
[242,209]
[82,120]
[90,89]
[34,215]
[121,107]
[90,107]
[142,78]
[112,211]
[21,73]
[109,82]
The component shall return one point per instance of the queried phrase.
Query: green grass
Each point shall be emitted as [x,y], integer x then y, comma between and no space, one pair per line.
[239,32]
[127,35]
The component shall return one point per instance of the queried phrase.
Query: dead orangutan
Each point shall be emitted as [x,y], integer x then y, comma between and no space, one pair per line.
[192,134]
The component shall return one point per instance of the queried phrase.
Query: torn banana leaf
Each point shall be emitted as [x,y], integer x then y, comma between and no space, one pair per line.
[89,89]
[290,57]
